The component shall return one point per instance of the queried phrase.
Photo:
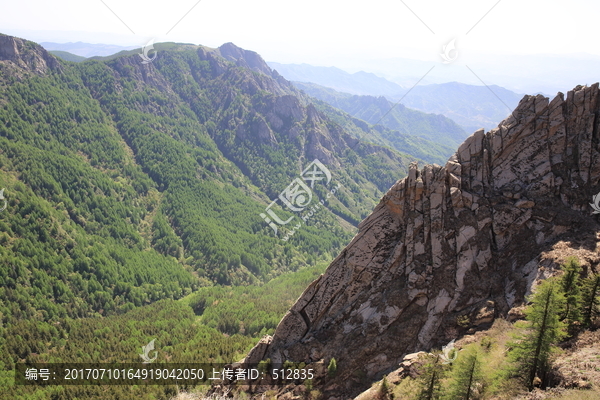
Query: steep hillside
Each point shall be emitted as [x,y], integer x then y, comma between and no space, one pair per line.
[127,183]
[65,55]
[376,110]
[446,244]
[416,146]
[472,107]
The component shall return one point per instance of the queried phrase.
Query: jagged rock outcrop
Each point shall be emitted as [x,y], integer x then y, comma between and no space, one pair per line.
[270,80]
[246,58]
[285,112]
[450,248]
[20,56]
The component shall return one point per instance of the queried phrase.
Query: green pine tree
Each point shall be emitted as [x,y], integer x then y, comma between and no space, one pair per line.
[531,351]
[384,390]
[332,367]
[570,287]
[430,380]
[466,374]
[590,299]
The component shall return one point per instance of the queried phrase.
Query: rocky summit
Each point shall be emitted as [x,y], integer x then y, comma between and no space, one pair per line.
[19,55]
[449,249]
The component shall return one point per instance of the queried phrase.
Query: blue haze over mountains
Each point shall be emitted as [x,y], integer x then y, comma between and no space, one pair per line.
[470,106]
[86,49]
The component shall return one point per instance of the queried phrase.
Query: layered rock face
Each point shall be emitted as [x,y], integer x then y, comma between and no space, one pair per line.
[451,248]
[18,55]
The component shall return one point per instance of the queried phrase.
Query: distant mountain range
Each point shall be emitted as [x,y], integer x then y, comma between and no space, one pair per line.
[521,73]
[65,55]
[361,83]
[86,49]
[529,73]
[471,106]
[378,110]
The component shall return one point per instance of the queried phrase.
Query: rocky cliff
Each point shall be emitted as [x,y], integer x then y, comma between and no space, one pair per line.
[451,248]
[287,112]
[19,56]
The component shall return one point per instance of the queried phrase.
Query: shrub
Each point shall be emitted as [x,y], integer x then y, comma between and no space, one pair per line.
[332,367]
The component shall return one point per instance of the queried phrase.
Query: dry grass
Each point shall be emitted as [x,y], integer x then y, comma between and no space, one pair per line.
[580,395]
[200,394]
[578,366]
[561,394]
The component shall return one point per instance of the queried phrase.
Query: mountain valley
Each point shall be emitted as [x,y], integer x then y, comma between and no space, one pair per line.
[197,203]
[472,107]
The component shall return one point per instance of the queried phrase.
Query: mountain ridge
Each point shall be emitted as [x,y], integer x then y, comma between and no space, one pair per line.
[170,164]
[432,127]
[414,145]
[471,106]
[359,83]
[20,54]
[86,50]
[445,243]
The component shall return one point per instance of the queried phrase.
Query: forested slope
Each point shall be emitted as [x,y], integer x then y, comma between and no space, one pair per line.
[436,128]
[130,183]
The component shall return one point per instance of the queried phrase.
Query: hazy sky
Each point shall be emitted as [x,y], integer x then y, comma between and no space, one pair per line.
[348,34]
[310,30]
